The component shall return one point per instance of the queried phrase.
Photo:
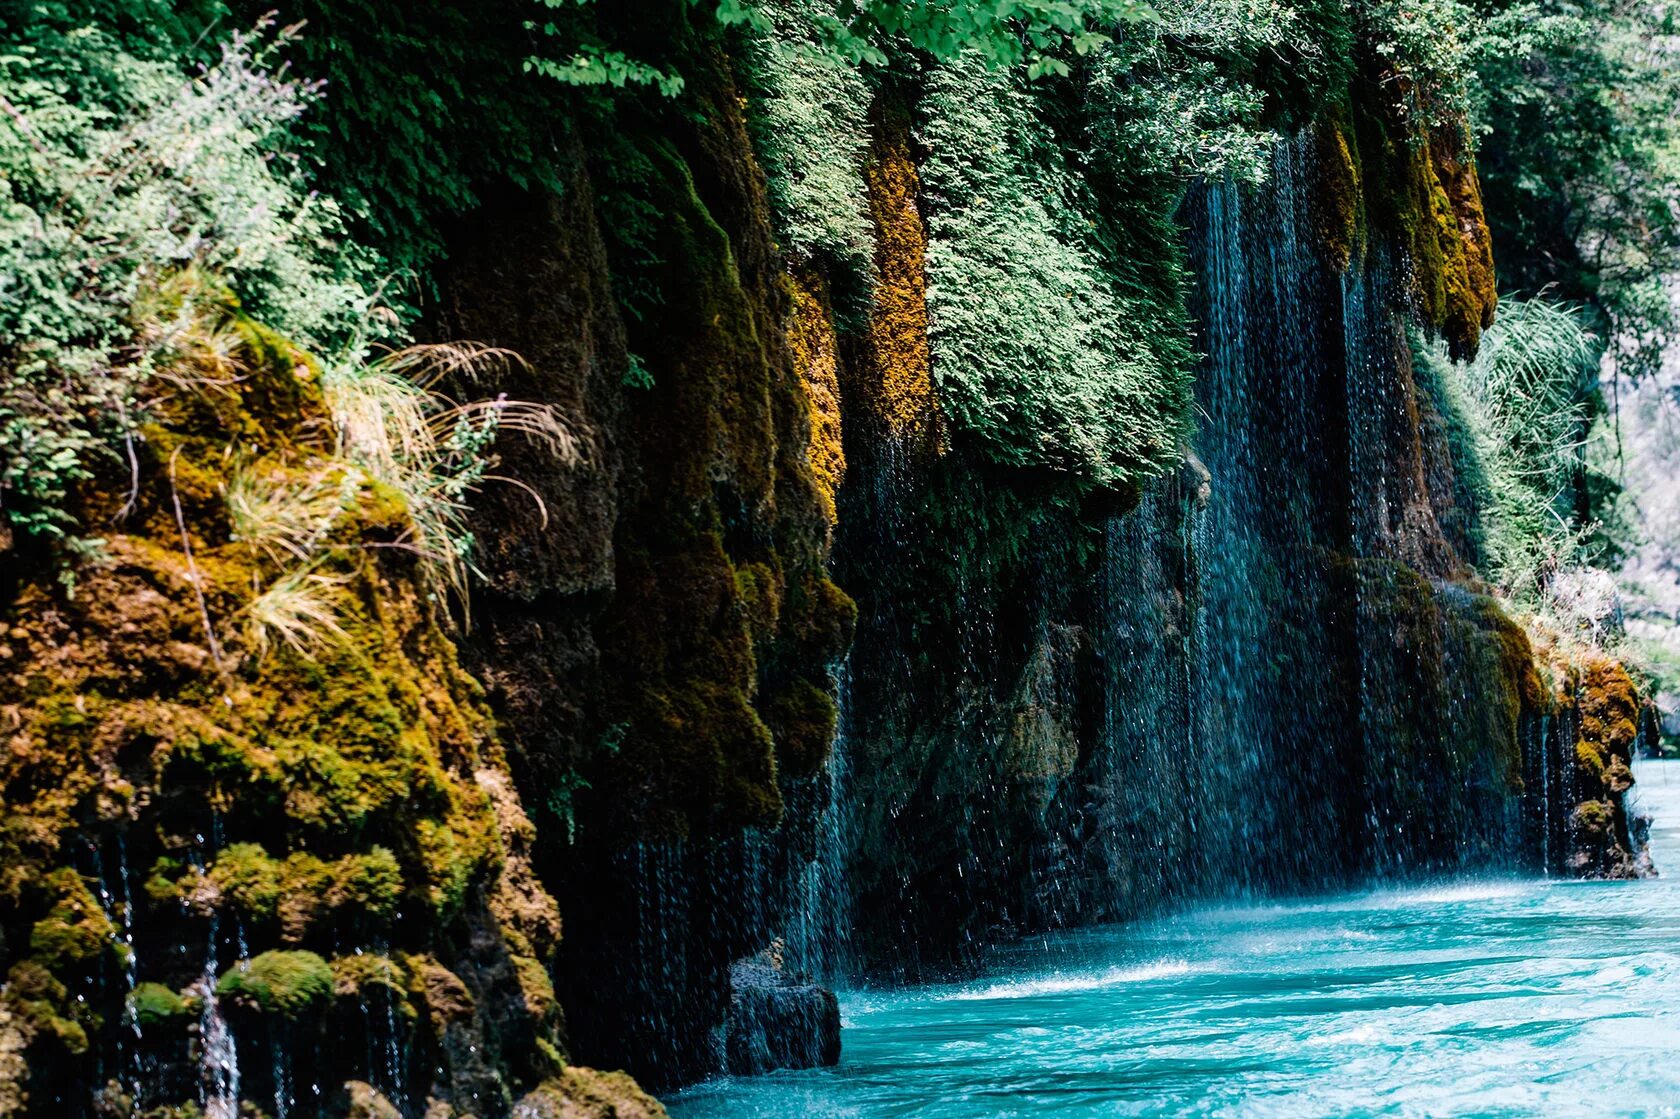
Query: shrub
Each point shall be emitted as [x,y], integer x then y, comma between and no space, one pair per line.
[1047,349]
[116,172]
[1517,415]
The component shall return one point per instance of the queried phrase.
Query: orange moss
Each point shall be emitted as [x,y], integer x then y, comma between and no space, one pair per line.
[900,393]
[1421,188]
[1446,237]
[583,1093]
[1608,702]
[816,351]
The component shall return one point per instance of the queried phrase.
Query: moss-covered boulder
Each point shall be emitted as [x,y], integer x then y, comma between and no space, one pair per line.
[582,1093]
[289,984]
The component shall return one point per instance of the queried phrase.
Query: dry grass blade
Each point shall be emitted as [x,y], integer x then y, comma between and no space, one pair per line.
[285,519]
[471,363]
[393,422]
[382,420]
[300,610]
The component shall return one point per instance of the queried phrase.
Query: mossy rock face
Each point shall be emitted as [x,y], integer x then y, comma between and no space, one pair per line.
[76,932]
[722,606]
[815,348]
[309,793]
[1339,208]
[297,893]
[802,718]
[1608,710]
[1421,190]
[895,382]
[361,1100]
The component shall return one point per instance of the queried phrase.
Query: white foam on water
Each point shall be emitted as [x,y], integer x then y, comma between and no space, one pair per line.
[1470,891]
[1057,984]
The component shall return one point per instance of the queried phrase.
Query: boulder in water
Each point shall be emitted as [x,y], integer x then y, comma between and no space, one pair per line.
[778,1019]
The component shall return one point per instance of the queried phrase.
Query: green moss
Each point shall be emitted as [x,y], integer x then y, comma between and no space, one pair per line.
[536,987]
[283,383]
[1339,202]
[302,890]
[155,1005]
[1593,817]
[362,978]
[1591,760]
[289,984]
[351,782]
[802,719]
[722,535]
[1422,188]
[582,1093]
[247,878]
[76,932]
[759,589]
[46,1004]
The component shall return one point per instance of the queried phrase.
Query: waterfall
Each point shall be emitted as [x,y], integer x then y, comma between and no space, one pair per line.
[1258,674]
[218,1052]
[219,1074]
[120,917]
[816,929]
[1267,643]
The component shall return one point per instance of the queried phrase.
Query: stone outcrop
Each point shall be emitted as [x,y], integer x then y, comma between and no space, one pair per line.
[778,1019]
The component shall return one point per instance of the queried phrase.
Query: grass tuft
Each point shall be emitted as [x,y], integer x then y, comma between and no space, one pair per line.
[300,610]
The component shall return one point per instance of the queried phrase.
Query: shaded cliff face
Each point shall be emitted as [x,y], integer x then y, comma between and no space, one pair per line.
[1113,694]
[1184,699]
[661,652]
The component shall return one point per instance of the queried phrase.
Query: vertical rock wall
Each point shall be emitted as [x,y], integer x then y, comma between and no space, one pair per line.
[1061,697]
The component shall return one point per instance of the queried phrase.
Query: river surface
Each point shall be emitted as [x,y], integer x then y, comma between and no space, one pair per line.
[1493,998]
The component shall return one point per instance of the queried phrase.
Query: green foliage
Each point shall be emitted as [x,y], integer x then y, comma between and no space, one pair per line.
[1032,34]
[428,106]
[1048,349]
[117,170]
[1517,418]
[581,57]
[1197,91]
[1036,35]
[1425,49]
[1578,157]
[809,114]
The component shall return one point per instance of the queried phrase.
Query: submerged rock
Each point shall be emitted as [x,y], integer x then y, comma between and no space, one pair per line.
[778,1019]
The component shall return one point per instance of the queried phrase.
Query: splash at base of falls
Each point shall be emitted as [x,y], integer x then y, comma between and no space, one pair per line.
[1495,997]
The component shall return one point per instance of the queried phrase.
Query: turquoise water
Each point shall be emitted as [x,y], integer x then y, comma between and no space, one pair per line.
[1495,998]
